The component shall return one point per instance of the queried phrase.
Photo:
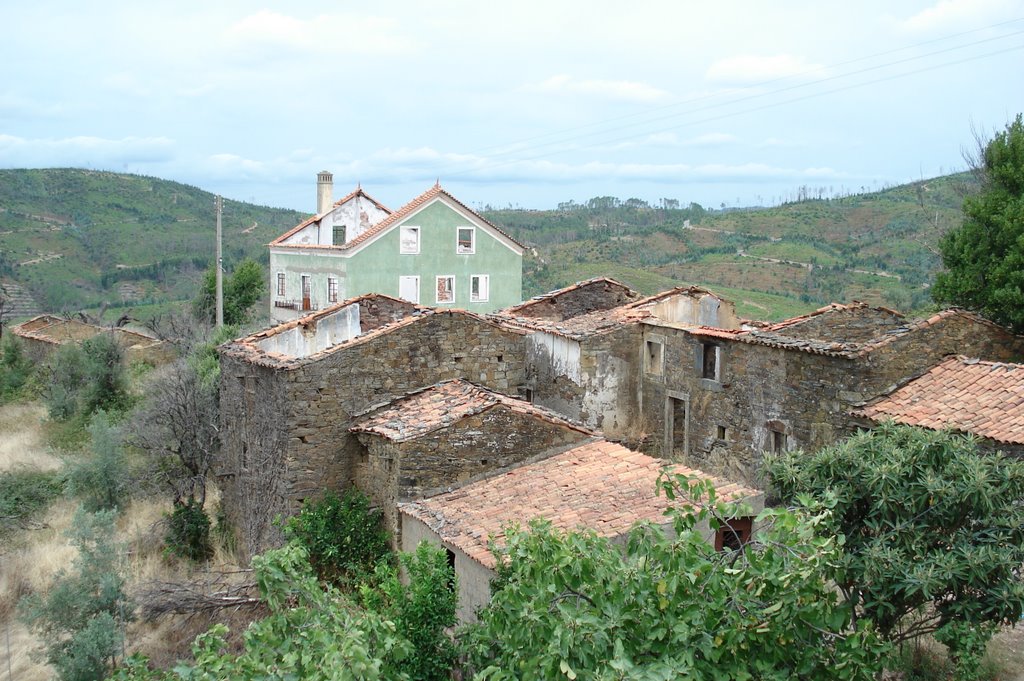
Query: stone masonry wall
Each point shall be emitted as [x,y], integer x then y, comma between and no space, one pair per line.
[324,394]
[599,295]
[489,441]
[251,467]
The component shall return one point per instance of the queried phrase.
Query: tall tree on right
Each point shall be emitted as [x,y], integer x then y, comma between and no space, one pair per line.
[984,257]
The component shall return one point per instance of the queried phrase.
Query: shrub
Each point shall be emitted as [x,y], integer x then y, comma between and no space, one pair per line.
[343,536]
[23,493]
[15,367]
[80,620]
[87,378]
[101,480]
[188,532]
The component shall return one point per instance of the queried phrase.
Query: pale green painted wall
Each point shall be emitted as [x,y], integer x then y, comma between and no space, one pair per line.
[377,267]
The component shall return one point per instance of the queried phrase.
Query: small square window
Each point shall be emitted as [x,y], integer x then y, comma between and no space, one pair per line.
[280,284]
[710,361]
[721,433]
[654,358]
[445,289]
[479,288]
[779,441]
[409,240]
[409,289]
[338,235]
[466,241]
[332,289]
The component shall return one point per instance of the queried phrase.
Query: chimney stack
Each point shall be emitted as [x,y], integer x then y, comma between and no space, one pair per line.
[324,191]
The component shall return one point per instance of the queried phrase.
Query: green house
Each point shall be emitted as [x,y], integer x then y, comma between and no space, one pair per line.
[432,251]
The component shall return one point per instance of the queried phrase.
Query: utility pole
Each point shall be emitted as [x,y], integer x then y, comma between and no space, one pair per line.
[220,267]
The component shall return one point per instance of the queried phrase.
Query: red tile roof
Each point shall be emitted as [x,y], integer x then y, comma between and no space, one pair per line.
[423,411]
[315,218]
[968,395]
[600,486]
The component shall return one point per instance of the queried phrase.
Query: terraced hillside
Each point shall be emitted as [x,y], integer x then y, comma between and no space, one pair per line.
[72,238]
[876,247]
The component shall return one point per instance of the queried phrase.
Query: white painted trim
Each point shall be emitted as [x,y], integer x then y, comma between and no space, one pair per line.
[281,277]
[487,288]
[413,277]
[436,279]
[419,239]
[472,240]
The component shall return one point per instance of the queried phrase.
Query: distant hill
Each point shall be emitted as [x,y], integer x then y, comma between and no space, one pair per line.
[774,262]
[73,239]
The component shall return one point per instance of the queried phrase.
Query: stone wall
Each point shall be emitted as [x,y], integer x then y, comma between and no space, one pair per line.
[576,301]
[483,443]
[320,396]
[768,397]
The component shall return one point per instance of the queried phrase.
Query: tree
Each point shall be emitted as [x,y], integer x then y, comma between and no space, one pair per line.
[101,481]
[80,620]
[984,257]
[243,288]
[87,378]
[933,531]
[575,605]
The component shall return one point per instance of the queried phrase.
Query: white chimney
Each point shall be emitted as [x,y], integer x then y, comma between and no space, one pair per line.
[324,191]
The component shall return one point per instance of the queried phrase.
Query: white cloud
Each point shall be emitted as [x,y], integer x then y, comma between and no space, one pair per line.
[958,15]
[747,69]
[84,151]
[662,140]
[627,90]
[327,33]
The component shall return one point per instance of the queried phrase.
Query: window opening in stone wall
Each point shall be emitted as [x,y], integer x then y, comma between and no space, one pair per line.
[677,408]
[339,235]
[307,303]
[446,289]
[332,289]
[466,244]
[409,240]
[280,284]
[479,288]
[734,534]
[655,357]
[721,433]
[777,441]
[710,361]
[451,566]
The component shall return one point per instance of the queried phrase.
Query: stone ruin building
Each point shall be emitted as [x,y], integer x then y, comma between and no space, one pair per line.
[424,409]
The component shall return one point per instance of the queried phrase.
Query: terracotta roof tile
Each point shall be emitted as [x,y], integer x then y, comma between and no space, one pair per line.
[968,395]
[443,404]
[599,485]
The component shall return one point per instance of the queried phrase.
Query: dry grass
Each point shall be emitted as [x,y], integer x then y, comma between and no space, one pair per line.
[22,442]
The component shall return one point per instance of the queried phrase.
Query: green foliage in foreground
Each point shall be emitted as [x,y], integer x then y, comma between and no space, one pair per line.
[575,605]
[984,257]
[101,480]
[344,537]
[80,620]
[15,367]
[188,532]
[26,492]
[934,531]
[87,378]
[243,288]
[315,633]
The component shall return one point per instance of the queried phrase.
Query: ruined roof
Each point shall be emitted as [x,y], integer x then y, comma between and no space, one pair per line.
[316,218]
[791,334]
[516,310]
[435,407]
[968,395]
[600,321]
[55,330]
[393,219]
[248,348]
[599,486]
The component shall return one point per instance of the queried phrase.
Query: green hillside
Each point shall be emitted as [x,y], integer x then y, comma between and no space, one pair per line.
[774,262]
[75,239]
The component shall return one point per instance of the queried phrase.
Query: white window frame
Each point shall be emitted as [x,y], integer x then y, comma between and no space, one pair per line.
[410,277]
[332,289]
[282,285]
[486,280]
[437,281]
[459,248]
[402,231]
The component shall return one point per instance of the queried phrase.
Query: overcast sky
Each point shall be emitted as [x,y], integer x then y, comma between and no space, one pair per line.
[527,103]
